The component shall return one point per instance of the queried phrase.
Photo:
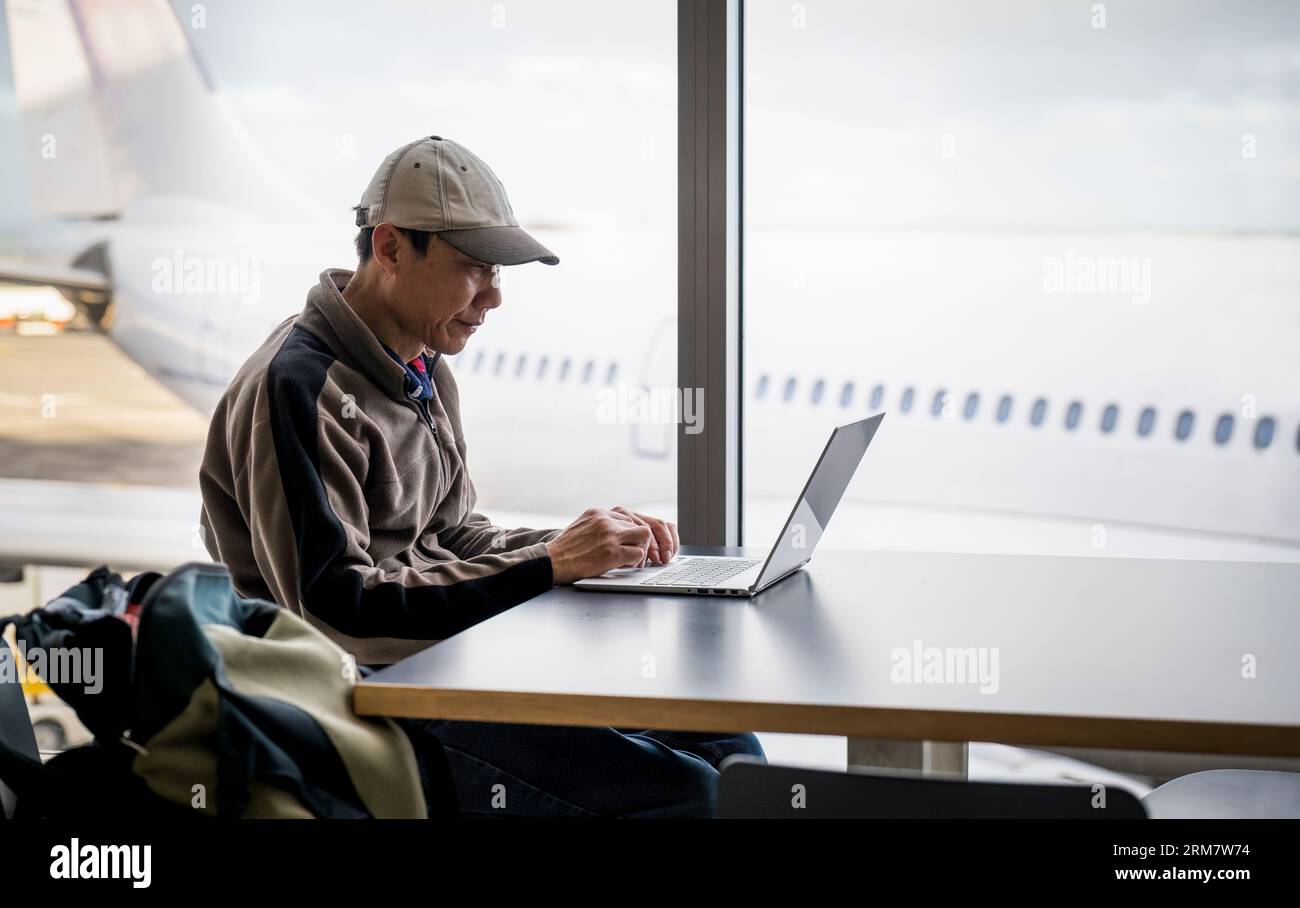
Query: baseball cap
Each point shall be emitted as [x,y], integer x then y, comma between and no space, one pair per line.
[438,185]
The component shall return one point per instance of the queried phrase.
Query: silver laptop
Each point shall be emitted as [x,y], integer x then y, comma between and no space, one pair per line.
[712,575]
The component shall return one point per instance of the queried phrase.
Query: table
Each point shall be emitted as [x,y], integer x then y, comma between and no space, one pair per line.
[909,655]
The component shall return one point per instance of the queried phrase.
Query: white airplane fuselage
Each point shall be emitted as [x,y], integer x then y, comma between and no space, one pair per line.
[948,324]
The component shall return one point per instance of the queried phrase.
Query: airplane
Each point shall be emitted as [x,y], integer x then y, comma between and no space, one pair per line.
[1020,422]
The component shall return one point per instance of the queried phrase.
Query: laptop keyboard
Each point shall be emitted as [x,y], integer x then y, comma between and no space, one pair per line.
[701,572]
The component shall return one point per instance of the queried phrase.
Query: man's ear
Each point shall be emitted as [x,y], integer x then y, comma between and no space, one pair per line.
[384,243]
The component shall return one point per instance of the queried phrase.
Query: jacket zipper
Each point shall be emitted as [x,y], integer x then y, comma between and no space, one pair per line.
[423,408]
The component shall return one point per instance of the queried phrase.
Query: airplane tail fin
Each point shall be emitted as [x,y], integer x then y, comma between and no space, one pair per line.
[117,106]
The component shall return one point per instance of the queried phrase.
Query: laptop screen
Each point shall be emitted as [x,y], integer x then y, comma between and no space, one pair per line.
[822,493]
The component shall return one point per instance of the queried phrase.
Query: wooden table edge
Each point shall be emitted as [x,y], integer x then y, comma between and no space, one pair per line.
[1184,736]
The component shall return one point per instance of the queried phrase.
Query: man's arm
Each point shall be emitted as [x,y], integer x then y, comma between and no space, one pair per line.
[478,535]
[318,470]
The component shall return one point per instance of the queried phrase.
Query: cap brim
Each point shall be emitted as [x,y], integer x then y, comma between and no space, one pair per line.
[499,245]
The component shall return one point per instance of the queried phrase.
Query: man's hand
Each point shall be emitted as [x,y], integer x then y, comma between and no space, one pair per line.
[601,540]
[663,545]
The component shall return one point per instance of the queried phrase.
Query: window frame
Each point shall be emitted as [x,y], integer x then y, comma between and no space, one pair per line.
[710,80]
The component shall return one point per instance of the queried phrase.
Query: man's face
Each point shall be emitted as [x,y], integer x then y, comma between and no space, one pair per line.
[443,296]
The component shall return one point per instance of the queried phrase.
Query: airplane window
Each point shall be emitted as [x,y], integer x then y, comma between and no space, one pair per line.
[1147,421]
[500,363]
[788,394]
[587,370]
[846,394]
[972,404]
[1004,408]
[564,369]
[1072,415]
[519,364]
[1038,413]
[936,407]
[762,386]
[541,367]
[1184,427]
[818,387]
[1264,433]
[1223,429]
[878,394]
[1109,417]
[611,374]
[906,403]
[478,360]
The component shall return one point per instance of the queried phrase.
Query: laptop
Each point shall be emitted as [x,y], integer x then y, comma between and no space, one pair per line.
[712,575]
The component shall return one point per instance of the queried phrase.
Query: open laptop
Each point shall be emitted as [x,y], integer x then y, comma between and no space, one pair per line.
[712,575]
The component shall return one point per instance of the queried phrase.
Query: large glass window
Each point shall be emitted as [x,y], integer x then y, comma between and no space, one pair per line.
[1091,205]
[230,141]
[568,393]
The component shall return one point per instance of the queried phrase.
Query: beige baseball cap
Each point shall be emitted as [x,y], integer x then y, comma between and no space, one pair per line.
[438,185]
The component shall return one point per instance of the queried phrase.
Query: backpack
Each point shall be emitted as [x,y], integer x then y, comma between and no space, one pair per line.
[203,703]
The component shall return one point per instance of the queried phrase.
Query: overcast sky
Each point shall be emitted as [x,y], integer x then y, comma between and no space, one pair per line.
[860,113]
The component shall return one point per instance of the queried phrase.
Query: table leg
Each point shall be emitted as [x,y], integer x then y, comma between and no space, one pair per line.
[947,758]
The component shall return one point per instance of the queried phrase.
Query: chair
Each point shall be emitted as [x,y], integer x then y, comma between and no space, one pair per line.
[748,789]
[20,760]
[1227,794]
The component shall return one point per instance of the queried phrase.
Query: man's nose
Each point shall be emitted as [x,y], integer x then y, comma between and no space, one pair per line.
[488,298]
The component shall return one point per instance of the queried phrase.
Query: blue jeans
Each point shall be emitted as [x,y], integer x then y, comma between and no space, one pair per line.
[559,771]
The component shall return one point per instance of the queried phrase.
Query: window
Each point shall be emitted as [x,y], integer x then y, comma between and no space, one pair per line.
[1184,426]
[571,103]
[1109,417]
[959,166]
[1147,421]
[564,368]
[878,395]
[1072,415]
[1223,429]
[788,394]
[818,387]
[905,403]
[1038,412]
[761,390]
[846,394]
[1264,433]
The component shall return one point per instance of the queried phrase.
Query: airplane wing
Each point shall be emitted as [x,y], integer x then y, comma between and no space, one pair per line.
[67,279]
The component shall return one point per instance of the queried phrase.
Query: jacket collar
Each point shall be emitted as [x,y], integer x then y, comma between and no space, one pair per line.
[356,339]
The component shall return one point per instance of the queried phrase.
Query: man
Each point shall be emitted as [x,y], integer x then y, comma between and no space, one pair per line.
[335,483]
